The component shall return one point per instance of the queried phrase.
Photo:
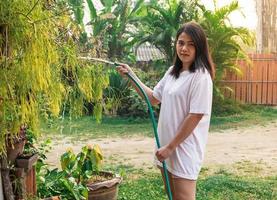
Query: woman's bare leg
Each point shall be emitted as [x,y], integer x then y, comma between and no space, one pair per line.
[184,189]
[181,189]
[170,181]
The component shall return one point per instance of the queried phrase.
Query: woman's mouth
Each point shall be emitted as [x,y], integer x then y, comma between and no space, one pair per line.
[185,55]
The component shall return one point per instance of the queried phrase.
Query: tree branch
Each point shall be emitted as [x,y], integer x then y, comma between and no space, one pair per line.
[32,8]
[53,16]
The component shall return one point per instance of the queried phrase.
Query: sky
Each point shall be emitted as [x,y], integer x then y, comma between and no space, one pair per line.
[248,8]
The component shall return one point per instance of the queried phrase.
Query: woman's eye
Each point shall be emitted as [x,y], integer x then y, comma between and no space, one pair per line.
[181,43]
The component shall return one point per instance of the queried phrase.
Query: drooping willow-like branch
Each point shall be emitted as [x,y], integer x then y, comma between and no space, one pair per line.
[53,16]
[33,7]
[20,13]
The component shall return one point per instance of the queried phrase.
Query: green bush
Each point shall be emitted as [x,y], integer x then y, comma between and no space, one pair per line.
[128,103]
[225,107]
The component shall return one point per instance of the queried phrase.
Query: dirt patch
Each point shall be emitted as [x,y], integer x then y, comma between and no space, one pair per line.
[257,144]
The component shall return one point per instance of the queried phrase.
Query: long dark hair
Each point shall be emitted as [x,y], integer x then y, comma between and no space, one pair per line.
[202,55]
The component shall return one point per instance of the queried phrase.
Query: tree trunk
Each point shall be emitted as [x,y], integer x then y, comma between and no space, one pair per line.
[5,172]
[267,26]
[1,185]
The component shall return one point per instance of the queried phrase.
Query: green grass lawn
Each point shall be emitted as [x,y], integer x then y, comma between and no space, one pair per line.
[215,187]
[220,185]
[251,115]
[124,127]
[109,127]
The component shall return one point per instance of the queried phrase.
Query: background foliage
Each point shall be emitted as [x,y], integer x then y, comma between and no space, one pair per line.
[41,74]
[39,67]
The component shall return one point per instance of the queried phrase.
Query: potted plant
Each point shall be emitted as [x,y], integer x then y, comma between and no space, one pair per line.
[85,168]
[29,156]
[15,144]
[23,173]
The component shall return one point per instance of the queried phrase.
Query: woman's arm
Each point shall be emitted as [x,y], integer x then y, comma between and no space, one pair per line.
[186,128]
[123,69]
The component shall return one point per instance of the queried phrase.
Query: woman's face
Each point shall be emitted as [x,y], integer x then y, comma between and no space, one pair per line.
[185,50]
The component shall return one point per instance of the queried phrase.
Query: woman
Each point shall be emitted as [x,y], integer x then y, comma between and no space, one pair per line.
[185,94]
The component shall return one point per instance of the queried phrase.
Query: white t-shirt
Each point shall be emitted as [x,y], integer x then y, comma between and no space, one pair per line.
[190,93]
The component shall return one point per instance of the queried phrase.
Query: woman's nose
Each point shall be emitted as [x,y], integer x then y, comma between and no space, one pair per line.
[185,47]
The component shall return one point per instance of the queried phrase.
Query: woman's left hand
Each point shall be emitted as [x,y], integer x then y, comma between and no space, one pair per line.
[163,153]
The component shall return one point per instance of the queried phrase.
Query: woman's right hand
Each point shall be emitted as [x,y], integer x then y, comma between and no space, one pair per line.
[124,69]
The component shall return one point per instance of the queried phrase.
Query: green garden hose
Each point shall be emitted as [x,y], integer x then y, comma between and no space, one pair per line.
[151,113]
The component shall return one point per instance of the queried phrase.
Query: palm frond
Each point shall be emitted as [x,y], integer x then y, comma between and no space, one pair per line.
[137,7]
[92,10]
[225,41]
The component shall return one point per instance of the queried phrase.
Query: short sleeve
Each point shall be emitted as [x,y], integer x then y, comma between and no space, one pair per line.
[201,95]
[158,89]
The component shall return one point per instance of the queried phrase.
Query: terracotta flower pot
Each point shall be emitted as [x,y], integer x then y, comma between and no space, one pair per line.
[104,190]
[13,151]
[26,162]
[15,145]
[25,170]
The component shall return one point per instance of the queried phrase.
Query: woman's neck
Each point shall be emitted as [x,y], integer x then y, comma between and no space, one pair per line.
[185,67]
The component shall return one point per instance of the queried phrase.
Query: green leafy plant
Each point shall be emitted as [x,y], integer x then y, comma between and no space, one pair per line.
[114,94]
[84,165]
[29,147]
[161,21]
[226,42]
[77,171]
[132,105]
[114,25]
[52,182]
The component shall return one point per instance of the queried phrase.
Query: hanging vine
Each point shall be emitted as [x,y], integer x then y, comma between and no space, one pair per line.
[39,66]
